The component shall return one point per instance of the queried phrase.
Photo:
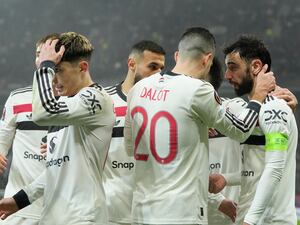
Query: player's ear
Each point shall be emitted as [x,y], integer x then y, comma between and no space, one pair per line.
[207,58]
[131,63]
[83,66]
[176,55]
[256,66]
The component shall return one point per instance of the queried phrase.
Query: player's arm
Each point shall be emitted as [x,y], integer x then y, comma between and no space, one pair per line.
[78,109]
[7,131]
[23,198]
[217,181]
[128,142]
[207,108]
[277,132]
[225,206]
[287,95]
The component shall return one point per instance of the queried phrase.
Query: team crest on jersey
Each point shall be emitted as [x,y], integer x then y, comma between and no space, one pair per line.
[90,100]
[3,114]
[217,98]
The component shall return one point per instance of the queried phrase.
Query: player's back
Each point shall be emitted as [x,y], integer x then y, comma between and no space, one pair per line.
[171,151]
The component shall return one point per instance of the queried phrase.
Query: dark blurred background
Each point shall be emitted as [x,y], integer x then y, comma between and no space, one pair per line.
[113,26]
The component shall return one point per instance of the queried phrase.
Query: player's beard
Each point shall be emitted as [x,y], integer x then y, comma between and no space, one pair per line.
[245,87]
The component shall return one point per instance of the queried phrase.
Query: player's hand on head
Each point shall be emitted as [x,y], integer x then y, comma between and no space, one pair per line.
[287,95]
[228,207]
[48,52]
[216,183]
[3,164]
[8,206]
[265,83]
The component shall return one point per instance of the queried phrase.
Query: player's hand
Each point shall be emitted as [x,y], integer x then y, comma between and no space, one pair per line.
[228,207]
[43,149]
[216,183]
[48,52]
[3,164]
[8,206]
[265,83]
[287,95]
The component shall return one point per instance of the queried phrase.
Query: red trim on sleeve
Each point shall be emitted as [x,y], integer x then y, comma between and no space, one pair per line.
[22,108]
[120,111]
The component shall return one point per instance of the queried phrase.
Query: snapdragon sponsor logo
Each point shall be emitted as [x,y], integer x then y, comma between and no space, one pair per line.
[213,166]
[57,162]
[38,157]
[247,173]
[122,165]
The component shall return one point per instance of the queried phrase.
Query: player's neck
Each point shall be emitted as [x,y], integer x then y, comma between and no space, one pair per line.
[189,70]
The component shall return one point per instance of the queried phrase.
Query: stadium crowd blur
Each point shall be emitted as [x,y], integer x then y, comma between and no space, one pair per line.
[113,26]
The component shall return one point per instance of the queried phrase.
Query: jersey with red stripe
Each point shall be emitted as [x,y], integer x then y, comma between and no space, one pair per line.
[77,147]
[19,133]
[118,172]
[166,129]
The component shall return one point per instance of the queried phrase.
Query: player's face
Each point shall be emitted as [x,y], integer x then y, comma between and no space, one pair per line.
[148,64]
[238,74]
[68,79]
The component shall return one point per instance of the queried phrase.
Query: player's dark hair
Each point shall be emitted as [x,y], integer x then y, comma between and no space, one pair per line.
[215,75]
[249,48]
[148,45]
[76,45]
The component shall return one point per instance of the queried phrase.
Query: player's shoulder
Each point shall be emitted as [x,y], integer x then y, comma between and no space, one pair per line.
[20,91]
[111,89]
[93,91]
[272,102]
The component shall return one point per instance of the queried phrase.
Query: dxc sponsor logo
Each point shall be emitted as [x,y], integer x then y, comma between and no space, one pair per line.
[90,99]
[275,114]
[120,165]
[37,157]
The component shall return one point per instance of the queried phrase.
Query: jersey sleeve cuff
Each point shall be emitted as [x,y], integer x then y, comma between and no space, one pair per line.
[254,105]
[48,63]
[21,199]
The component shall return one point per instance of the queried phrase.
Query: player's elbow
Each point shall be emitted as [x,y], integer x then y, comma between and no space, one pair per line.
[277,169]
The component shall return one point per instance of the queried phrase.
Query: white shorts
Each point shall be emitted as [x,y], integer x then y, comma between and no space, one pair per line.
[17,220]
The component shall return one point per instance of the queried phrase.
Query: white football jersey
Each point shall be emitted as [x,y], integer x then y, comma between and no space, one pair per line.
[166,130]
[19,133]
[271,203]
[78,142]
[225,157]
[118,172]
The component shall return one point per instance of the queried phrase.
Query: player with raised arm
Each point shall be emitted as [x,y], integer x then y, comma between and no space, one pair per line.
[268,173]
[145,58]
[20,134]
[82,122]
[166,129]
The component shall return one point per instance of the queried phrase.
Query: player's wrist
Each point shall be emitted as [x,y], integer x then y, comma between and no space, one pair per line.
[21,199]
